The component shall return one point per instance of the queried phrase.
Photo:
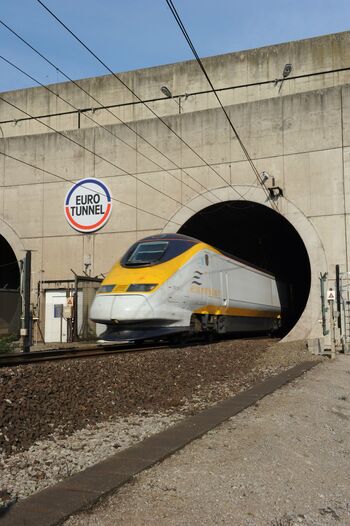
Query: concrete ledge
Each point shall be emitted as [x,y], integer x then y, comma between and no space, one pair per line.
[55,504]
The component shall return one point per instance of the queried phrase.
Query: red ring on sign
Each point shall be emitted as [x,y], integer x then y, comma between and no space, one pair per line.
[89,227]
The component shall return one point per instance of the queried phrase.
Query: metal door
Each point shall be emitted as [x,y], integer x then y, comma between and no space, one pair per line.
[55,324]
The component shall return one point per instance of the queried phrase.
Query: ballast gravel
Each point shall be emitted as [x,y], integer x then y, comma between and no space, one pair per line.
[59,418]
[50,460]
[282,462]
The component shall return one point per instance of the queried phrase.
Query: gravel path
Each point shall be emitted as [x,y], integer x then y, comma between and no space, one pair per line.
[283,462]
[59,418]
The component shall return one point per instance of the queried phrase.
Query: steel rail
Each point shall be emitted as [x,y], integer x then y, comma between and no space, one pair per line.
[69,353]
[16,359]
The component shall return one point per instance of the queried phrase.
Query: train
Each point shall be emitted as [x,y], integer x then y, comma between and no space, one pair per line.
[170,285]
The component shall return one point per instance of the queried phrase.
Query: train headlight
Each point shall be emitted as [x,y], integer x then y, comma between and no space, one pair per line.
[141,287]
[106,288]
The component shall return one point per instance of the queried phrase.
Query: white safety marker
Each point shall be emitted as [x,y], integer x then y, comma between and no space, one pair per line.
[330,295]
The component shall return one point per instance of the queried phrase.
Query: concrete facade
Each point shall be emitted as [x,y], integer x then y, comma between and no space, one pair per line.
[298,131]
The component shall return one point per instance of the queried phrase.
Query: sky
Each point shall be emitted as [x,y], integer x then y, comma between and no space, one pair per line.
[132,34]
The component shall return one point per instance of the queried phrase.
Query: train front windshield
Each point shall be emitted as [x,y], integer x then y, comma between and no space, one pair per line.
[147,253]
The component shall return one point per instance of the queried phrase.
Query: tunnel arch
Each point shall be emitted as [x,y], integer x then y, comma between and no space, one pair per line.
[9,270]
[11,250]
[285,243]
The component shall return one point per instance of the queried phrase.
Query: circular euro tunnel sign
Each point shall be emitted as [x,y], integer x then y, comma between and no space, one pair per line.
[88,205]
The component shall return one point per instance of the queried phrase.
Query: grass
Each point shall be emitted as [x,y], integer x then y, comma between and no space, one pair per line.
[6,343]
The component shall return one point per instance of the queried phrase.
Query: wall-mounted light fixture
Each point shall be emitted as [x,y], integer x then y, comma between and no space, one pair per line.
[166,91]
[285,73]
[275,192]
[264,177]
[287,70]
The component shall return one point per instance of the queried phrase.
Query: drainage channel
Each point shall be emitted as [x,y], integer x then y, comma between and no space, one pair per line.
[53,505]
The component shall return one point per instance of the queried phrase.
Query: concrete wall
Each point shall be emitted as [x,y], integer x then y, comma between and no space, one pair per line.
[240,77]
[300,134]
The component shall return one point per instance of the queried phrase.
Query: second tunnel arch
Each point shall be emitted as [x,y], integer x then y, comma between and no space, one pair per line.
[287,244]
[11,251]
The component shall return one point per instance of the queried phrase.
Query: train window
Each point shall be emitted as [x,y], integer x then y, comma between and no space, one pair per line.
[147,253]
[207,260]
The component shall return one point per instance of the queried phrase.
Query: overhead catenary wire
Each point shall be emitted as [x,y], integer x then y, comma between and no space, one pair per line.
[107,130]
[16,262]
[137,208]
[233,128]
[134,94]
[109,111]
[97,155]
[94,121]
[103,107]
[157,99]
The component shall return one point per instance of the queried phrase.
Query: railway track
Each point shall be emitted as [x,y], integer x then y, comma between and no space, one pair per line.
[20,358]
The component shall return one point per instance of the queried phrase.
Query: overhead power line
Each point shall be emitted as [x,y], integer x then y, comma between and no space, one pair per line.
[98,124]
[137,208]
[11,263]
[233,128]
[134,94]
[101,106]
[97,155]
[177,96]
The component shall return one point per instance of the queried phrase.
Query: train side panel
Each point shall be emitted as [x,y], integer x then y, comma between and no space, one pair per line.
[237,298]
[247,300]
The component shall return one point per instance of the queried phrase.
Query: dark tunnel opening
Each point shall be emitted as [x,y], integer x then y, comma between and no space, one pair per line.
[9,270]
[261,236]
[10,299]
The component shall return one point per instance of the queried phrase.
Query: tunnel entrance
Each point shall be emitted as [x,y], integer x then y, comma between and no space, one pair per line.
[9,289]
[9,270]
[259,235]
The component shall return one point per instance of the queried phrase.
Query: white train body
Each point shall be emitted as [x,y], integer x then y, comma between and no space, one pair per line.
[199,289]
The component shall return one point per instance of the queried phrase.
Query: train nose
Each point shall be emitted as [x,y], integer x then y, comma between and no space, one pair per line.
[120,308]
[131,307]
[100,310]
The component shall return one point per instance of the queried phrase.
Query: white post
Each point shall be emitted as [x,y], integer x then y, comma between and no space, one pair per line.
[330,299]
[332,327]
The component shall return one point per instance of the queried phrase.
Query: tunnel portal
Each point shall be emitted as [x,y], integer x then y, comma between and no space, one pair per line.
[261,236]
[9,290]
[9,270]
